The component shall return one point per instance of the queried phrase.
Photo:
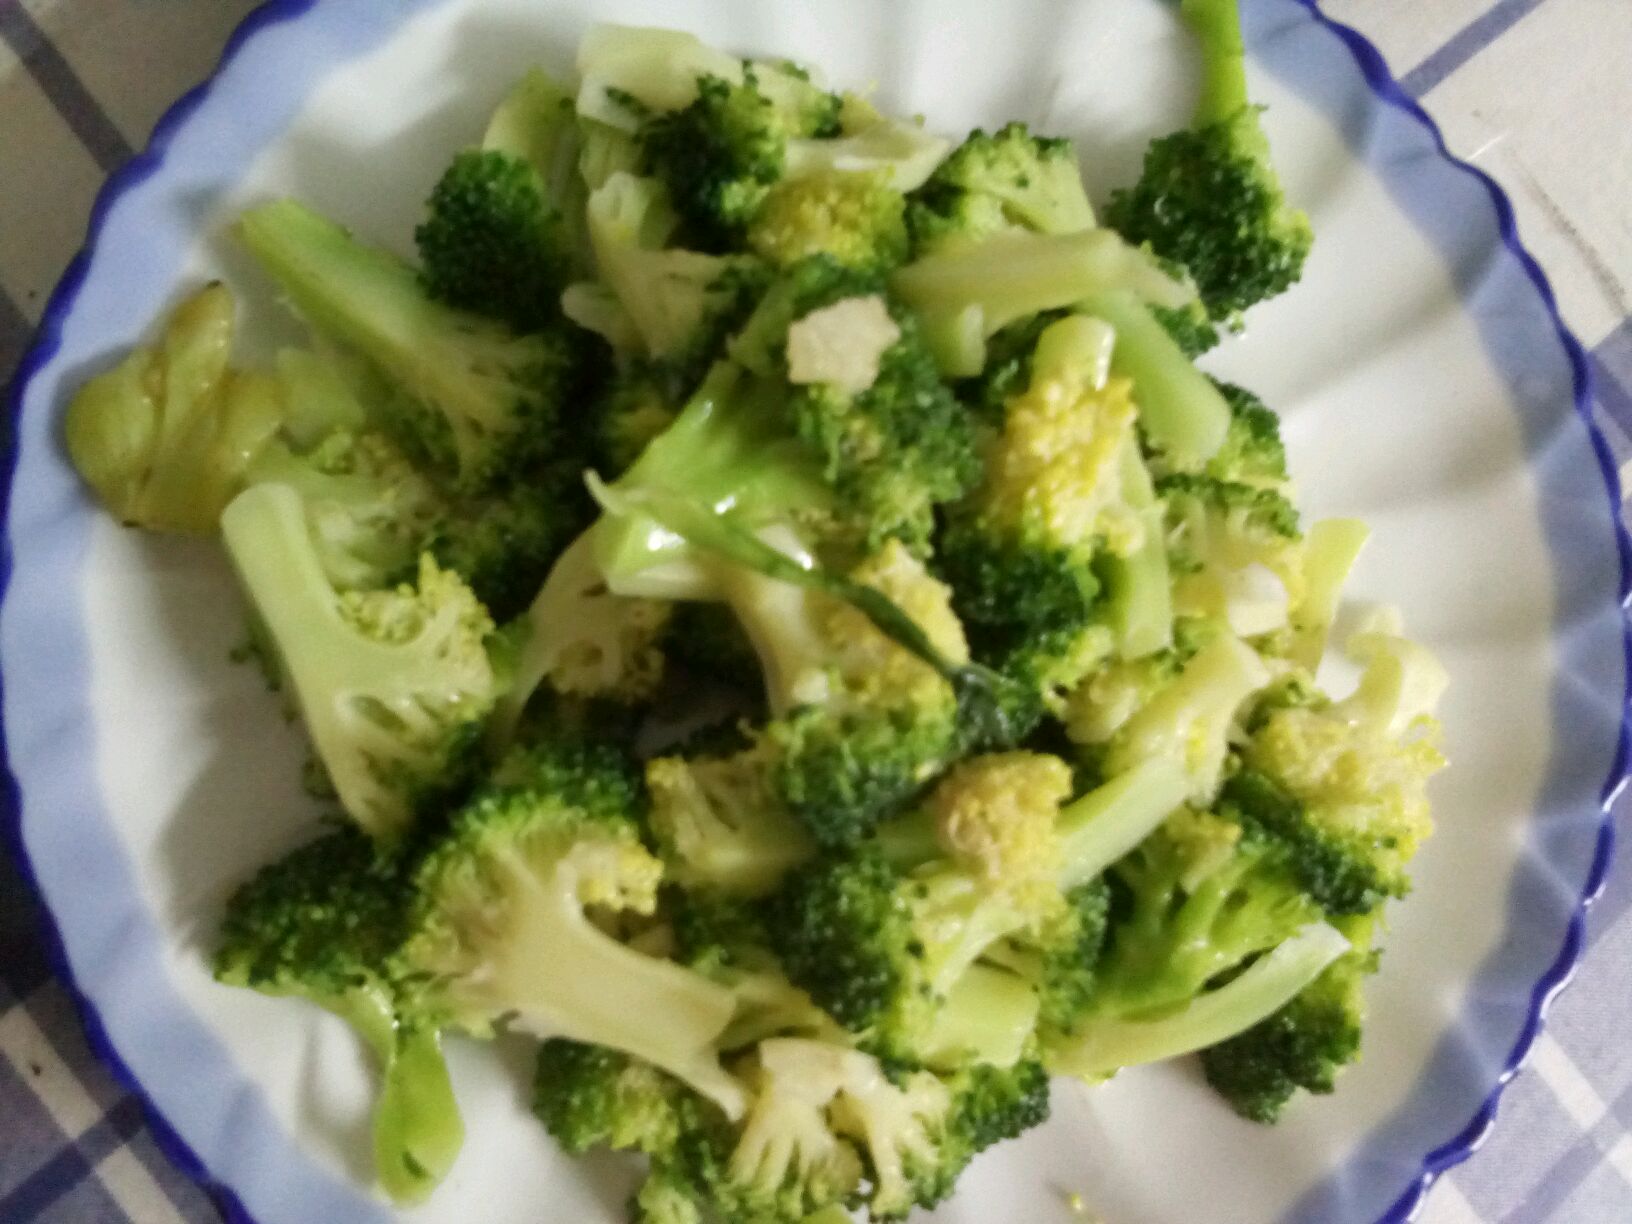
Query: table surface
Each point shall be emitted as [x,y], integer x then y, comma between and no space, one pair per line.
[1537,92]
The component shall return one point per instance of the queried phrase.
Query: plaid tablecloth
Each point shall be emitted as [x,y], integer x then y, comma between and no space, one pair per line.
[1537,92]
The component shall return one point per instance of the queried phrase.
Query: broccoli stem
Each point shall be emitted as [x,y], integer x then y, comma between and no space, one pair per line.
[1139,586]
[561,976]
[1111,820]
[1217,27]
[1269,984]
[1330,549]
[1181,411]
[417,1128]
[1014,275]
[988,1014]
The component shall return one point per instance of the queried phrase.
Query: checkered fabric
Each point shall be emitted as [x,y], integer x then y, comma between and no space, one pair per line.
[1537,92]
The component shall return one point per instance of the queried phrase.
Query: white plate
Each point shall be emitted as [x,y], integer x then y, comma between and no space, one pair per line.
[1426,385]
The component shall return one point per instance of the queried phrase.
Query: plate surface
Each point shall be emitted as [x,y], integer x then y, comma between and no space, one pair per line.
[1425,383]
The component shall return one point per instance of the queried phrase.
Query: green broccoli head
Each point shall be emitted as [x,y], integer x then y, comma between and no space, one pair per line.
[718,157]
[589,1096]
[1208,198]
[856,218]
[1061,959]
[991,1104]
[165,437]
[1305,1044]
[503,929]
[891,955]
[997,182]
[324,924]
[1236,552]
[491,243]
[394,685]
[1253,452]
[474,400]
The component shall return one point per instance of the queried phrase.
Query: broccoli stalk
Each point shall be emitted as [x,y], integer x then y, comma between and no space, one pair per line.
[504,928]
[966,295]
[476,401]
[393,685]
[1103,1046]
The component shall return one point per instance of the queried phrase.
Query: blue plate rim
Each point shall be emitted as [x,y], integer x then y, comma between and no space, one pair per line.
[1385,89]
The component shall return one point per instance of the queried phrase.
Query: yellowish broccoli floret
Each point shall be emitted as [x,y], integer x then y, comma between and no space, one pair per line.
[997,814]
[856,218]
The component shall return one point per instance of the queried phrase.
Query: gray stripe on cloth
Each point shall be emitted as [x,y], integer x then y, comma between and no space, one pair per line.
[1466,43]
[79,110]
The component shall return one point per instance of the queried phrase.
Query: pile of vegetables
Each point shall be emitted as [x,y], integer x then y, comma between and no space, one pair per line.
[781,619]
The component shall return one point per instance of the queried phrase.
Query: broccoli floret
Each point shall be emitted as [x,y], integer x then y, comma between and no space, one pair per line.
[394,685]
[718,157]
[369,511]
[505,543]
[503,928]
[324,923]
[589,1096]
[855,218]
[1253,452]
[1235,550]
[537,123]
[1060,960]
[636,406]
[719,822]
[477,401]
[1306,1044]
[998,182]
[491,243]
[1208,197]
[1064,486]
[165,437]
[680,303]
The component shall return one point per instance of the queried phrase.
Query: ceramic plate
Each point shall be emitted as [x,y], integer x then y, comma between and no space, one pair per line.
[1426,385]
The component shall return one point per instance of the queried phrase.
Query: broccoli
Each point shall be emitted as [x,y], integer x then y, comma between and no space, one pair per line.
[1208,197]
[474,400]
[966,295]
[166,436]
[680,303]
[1059,961]
[324,924]
[589,1096]
[503,930]
[1303,1045]
[1235,550]
[491,243]
[537,123]
[856,218]
[719,822]
[1064,487]
[718,157]
[636,405]
[393,685]
[997,182]
[1253,452]
[1202,898]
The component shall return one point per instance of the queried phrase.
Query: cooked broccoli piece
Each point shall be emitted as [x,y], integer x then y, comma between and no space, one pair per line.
[719,822]
[680,303]
[323,923]
[165,437]
[1202,898]
[1235,550]
[1253,452]
[589,1096]
[994,183]
[504,930]
[856,218]
[1059,961]
[1064,495]
[1208,197]
[718,157]
[394,685]
[504,543]
[637,404]
[966,295]
[477,401]
[491,242]
[1303,1045]
[537,123]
